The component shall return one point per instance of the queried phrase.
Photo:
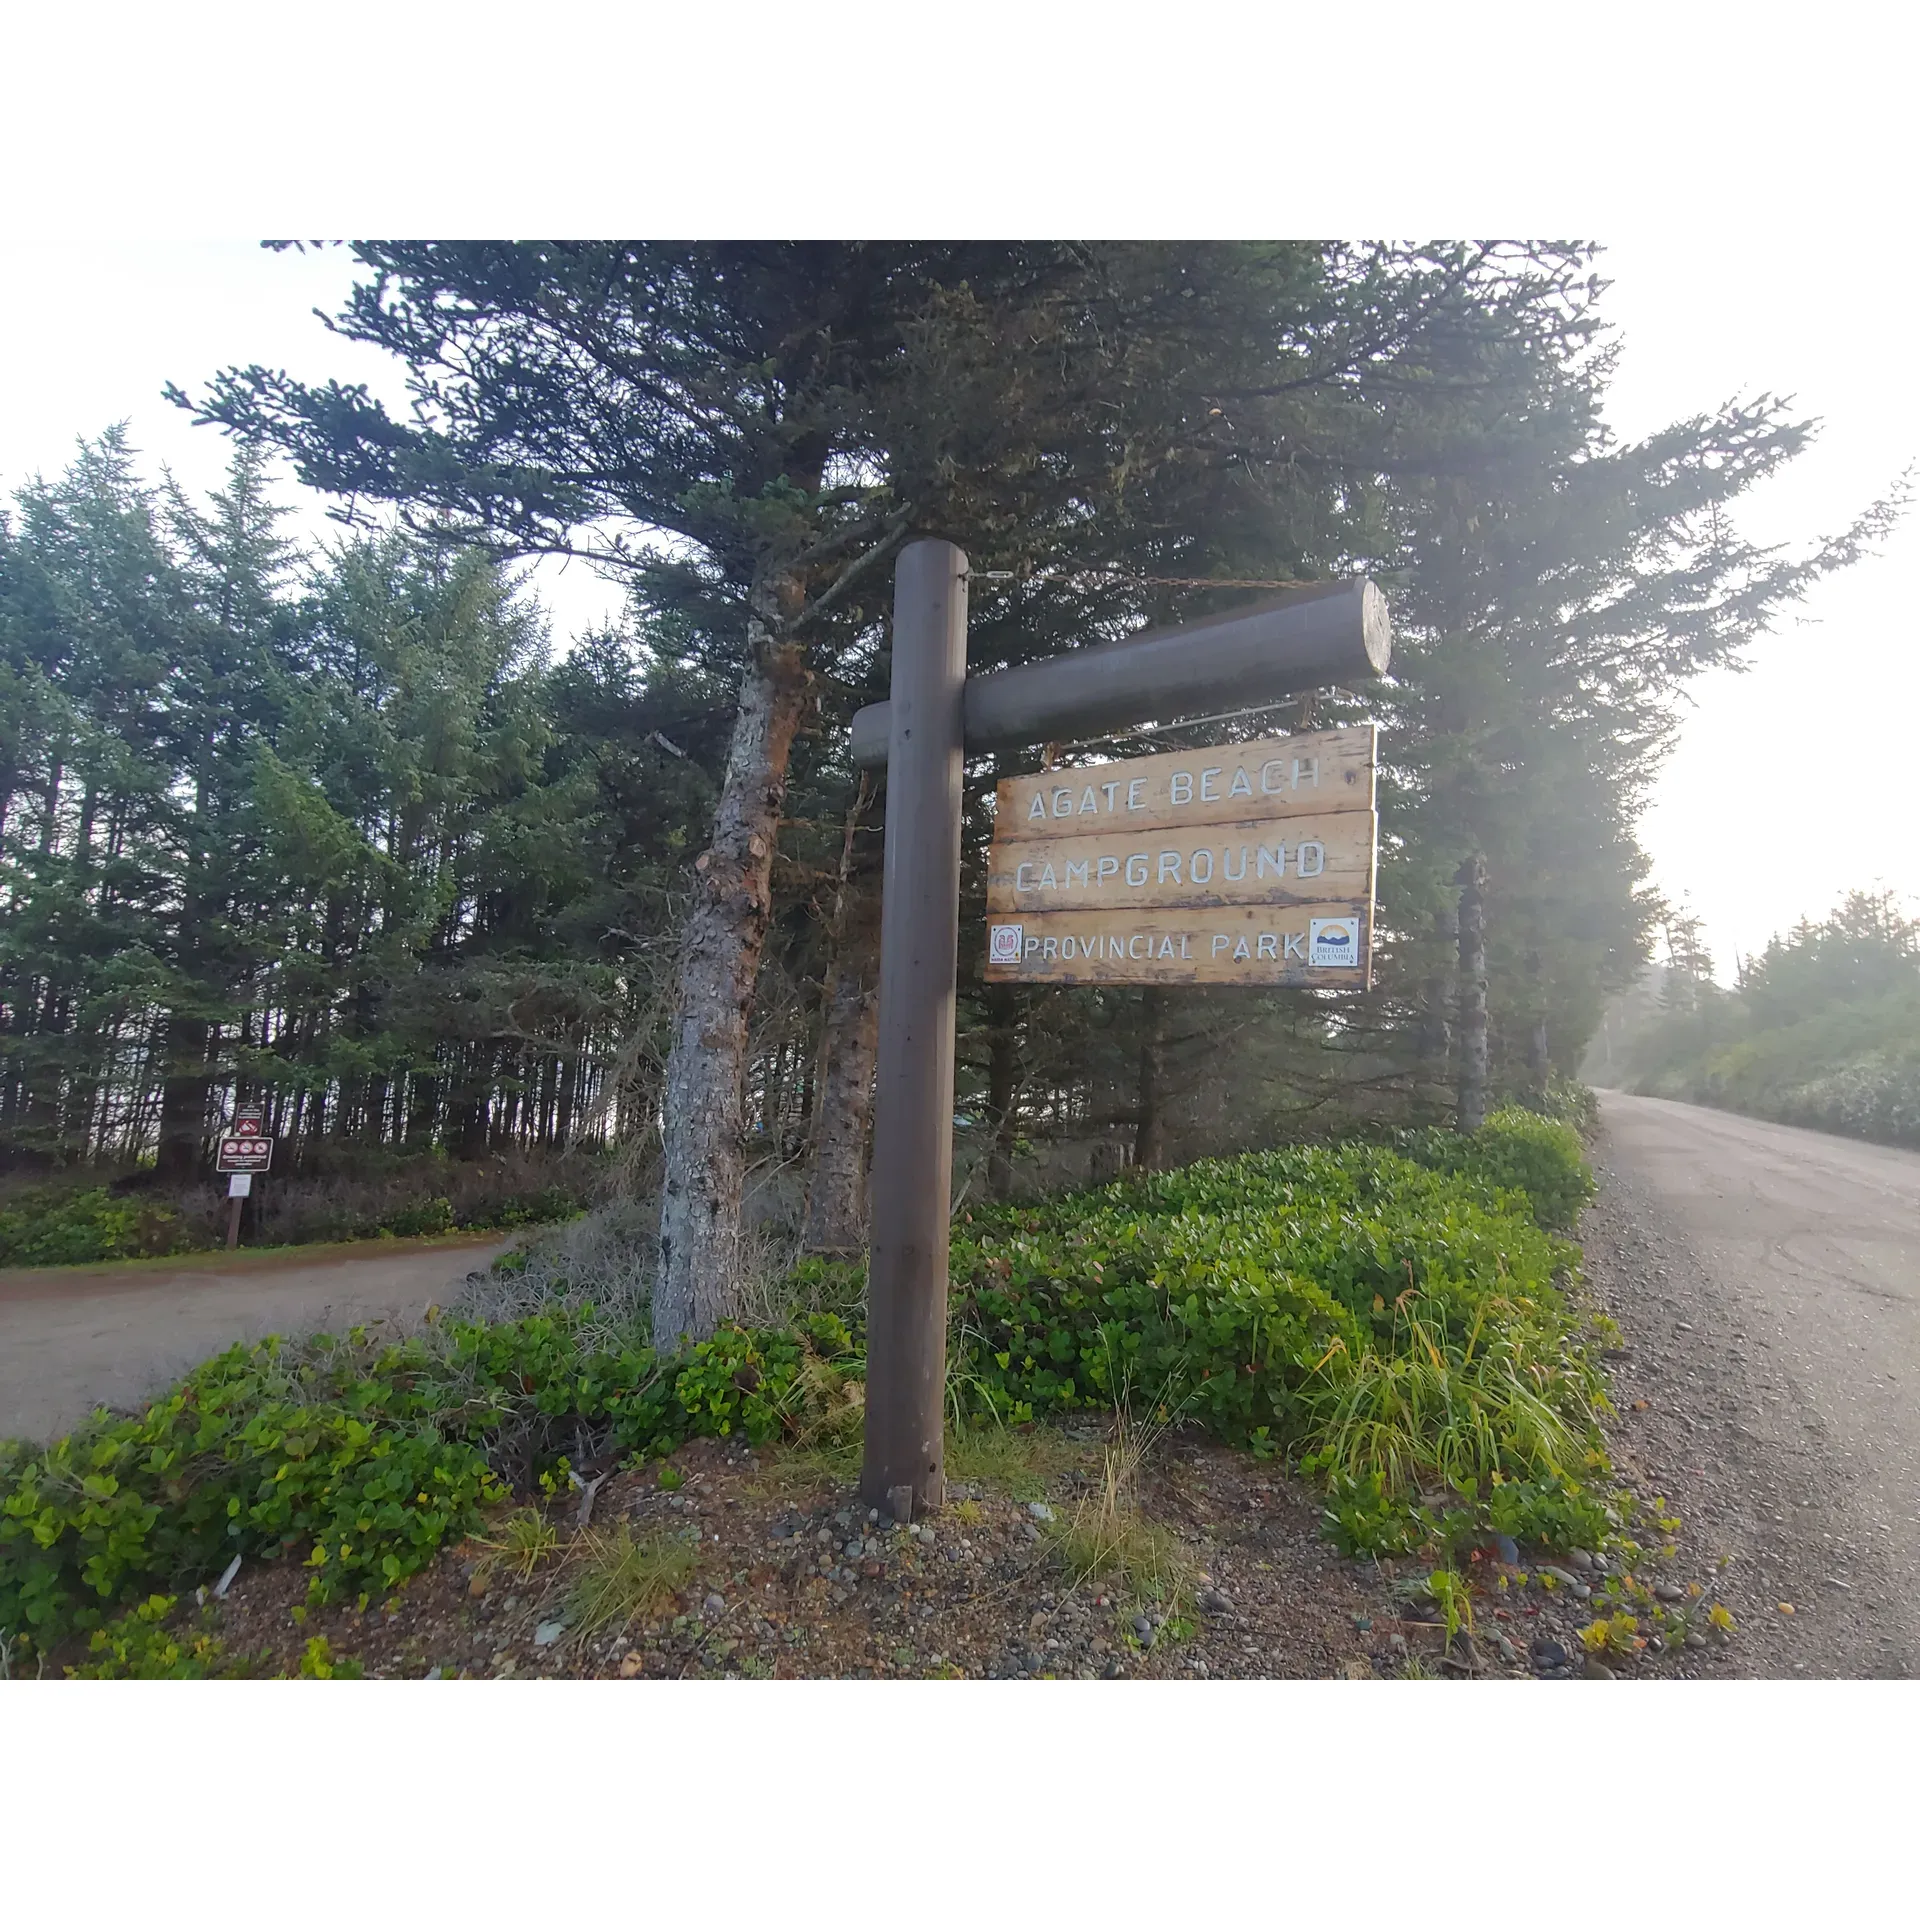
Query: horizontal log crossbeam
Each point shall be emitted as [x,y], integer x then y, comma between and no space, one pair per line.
[1309,637]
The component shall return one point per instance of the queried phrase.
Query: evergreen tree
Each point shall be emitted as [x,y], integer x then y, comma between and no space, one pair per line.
[96,614]
[327,830]
[786,414]
[335,830]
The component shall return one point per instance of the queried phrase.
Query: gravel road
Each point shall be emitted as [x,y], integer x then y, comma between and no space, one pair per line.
[1767,1282]
[70,1341]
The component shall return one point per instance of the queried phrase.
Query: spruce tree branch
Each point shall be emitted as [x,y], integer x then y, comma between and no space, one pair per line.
[893,535]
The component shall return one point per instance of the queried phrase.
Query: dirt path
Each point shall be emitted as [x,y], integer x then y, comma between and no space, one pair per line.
[1767,1281]
[70,1341]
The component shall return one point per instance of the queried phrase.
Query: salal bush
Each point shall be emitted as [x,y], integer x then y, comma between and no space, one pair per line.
[1516,1151]
[1239,1290]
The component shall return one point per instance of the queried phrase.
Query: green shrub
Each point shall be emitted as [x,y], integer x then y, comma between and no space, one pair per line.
[1399,1327]
[63,1226]
[364,1461]
[433,1214]
[1227,1286]
[1522,1152]
[140,1647]
[320,1662]
[1551,1511]
[1364,1520]
[546,1208]
[243,1455]
[55,1223]
[1574,1102]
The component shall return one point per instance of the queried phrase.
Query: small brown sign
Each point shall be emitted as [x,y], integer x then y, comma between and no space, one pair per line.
[244,1153]
[249,1123]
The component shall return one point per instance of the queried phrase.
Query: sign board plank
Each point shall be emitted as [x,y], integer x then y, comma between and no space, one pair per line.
[1327,856]
[1327,772]
[241,1153]
[1327,945]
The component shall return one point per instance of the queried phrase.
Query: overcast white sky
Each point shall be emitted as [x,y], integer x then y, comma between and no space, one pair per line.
[1791,782]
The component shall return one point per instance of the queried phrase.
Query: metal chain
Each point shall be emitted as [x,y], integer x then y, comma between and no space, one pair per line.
[1309,700]
[1152,579]
[1212,719]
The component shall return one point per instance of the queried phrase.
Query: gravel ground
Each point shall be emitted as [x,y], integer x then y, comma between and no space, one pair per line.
[795,1579]
[1773,1436]
[75,1338]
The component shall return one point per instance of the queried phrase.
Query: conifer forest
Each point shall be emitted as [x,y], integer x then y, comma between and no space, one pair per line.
[347,828]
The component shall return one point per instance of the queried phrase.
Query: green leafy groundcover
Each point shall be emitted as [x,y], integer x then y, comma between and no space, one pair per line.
[1399,1328]
[60,1225]
[1524,1152]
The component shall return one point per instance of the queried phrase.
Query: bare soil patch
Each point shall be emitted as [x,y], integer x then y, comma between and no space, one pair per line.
[791,1578]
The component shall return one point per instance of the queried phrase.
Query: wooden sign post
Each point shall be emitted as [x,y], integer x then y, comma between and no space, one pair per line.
[1251,863]
[903,1470]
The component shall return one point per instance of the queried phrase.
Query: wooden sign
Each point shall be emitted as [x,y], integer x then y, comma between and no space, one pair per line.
[1251,864]
[1239,863]
[1183,806]
[1327,772]
[243,1153]
[1323,946]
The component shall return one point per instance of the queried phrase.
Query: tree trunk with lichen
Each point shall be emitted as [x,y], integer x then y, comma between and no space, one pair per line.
[704,1149]
[1473,995]
[1150,1129]
[1003,1088]
[836,1219]
[1433,1093]
[1539,1064]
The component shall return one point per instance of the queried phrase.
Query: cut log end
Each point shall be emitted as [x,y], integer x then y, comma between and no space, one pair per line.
[1376,628]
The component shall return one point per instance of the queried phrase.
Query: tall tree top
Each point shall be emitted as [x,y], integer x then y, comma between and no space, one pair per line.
[703,413]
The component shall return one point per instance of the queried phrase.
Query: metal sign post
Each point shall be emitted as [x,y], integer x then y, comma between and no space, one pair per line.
[247,1150]
[1314,909]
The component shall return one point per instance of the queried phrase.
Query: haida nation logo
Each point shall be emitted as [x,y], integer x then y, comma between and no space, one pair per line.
[1003,945]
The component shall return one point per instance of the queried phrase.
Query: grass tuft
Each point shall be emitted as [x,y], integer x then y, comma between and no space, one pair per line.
[1019,1459]
[1108,1537]
[625,1575]
[805,1470]
[525,1540]
[1425,1408]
